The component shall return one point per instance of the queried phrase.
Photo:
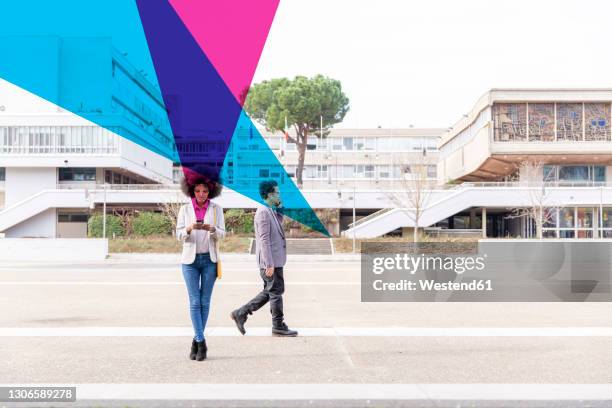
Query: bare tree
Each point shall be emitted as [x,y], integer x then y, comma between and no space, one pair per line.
[413,189]
[540,209]
[171,208]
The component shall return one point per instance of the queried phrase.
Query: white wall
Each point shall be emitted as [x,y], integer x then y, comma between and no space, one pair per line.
[134,157]
[41,225]
[23,182]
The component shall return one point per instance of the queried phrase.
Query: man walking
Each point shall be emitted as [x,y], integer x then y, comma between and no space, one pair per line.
[271,254]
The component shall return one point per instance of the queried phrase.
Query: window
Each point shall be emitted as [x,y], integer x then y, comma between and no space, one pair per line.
[432,171]
[599,173]
[347,143]
[322,171]
[2,173]
[322,143]
[359,143]
[348,171]
[607,217]
[77,174]
[417,144]
[431,144]
[336,143]
[384,172]
[364,171]
[370,143]
[566,218]
[310,172]
[584,218]
[574,173]
[384,144]
[273,142]
[68,217]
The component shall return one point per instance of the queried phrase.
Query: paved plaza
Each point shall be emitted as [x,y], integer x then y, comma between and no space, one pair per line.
[119,330]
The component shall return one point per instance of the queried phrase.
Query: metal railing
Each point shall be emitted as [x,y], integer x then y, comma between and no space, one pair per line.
[537,184]
[122,187]
[369,217]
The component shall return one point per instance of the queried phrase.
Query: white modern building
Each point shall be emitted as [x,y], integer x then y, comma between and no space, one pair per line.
[52,161]
[56,168]
[521,152]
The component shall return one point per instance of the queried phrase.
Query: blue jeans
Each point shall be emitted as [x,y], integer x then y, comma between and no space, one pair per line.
[200,278]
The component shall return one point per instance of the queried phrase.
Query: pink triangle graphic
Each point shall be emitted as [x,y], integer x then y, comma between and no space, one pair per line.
[232,34]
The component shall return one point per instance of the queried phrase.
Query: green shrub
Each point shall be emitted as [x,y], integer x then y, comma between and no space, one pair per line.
[113,226]
[239,221]
[152,223]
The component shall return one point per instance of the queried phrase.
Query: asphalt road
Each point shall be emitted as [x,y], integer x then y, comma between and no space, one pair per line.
[104,325]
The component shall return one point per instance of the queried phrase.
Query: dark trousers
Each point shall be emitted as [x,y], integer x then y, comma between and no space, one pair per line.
[273,289]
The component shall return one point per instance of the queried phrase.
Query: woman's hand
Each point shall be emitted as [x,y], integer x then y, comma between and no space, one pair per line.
[193,226]
[200,226]
[208,227]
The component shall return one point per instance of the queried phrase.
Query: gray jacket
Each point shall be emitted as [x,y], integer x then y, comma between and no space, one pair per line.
[270,244]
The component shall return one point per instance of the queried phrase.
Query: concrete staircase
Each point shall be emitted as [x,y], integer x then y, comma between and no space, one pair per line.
[305,246]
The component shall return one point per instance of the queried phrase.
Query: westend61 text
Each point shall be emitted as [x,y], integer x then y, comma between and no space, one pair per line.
[422,284]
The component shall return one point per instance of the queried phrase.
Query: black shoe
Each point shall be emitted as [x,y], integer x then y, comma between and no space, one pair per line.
[283,331]
[194,350]
[240,319]
[202,349]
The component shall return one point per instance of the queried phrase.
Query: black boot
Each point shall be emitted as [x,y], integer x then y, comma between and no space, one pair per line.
[202,349]
[283,331]
[240,319]
[194,350]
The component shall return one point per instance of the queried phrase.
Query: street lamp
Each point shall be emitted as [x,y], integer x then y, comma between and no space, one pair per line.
[104,213]
[354,217]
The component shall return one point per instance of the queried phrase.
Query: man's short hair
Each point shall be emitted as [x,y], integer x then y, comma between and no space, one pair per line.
[266,187]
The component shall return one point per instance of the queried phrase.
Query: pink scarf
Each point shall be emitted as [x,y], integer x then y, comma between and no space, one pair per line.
[200,212]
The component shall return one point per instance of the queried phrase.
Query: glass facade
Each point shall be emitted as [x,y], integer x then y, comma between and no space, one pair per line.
[575,174]
[57,139]
[77,174]
[552,121]
[577,222]
[364,144]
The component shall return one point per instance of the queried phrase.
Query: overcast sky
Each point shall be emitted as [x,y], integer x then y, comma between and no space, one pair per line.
[425,63]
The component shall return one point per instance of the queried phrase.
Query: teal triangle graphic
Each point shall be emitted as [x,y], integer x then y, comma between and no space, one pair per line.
[90,58]
[249,161]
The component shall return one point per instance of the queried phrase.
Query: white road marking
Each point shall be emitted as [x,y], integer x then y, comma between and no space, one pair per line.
[231,331]
[279,392]
[162,283]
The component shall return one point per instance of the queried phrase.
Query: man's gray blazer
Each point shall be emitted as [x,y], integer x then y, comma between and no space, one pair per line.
[270,244]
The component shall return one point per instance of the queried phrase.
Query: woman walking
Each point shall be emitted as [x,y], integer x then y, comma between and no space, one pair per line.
[200,226]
